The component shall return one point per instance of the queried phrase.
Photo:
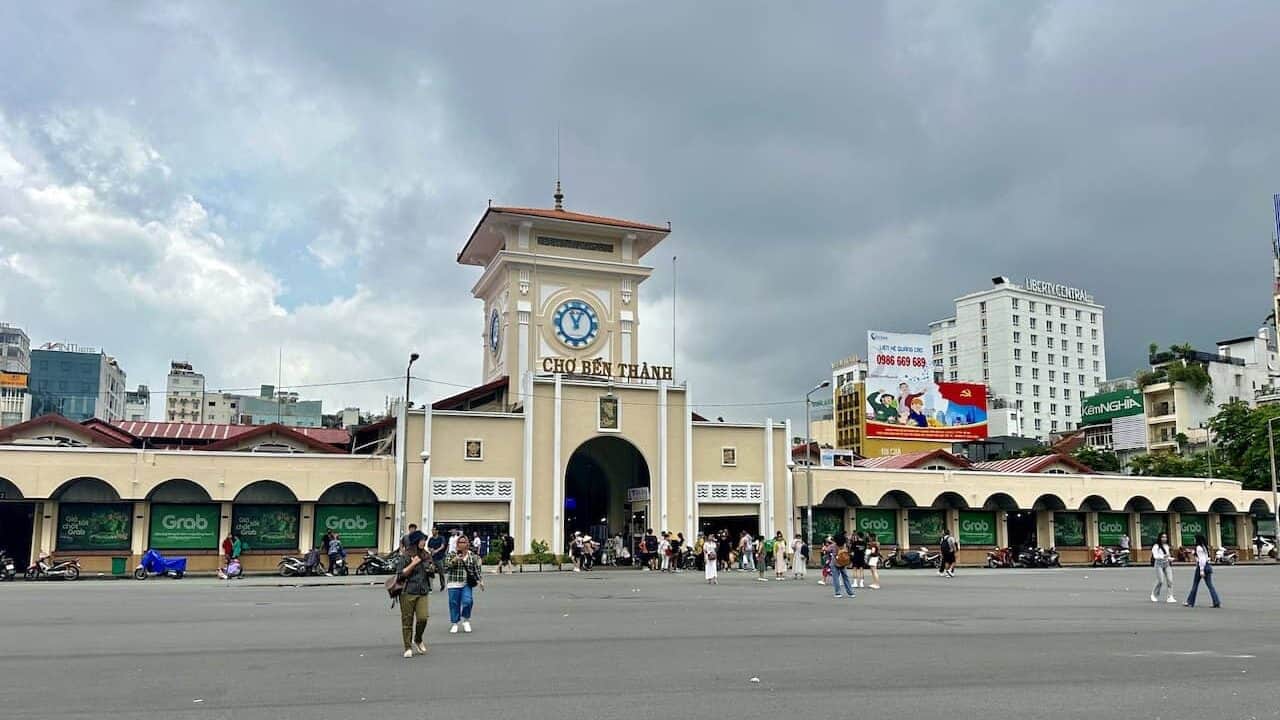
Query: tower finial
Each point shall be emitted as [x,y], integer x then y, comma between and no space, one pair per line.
[559,197]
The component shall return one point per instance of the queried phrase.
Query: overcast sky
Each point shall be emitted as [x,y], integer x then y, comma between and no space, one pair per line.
[214,181]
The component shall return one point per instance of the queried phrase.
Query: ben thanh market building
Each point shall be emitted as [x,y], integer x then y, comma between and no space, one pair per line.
[572,428]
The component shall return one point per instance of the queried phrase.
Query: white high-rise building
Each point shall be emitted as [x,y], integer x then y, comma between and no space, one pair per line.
[1038,345]
[184,394]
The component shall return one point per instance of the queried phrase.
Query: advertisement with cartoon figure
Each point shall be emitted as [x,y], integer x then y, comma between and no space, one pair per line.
[925,410]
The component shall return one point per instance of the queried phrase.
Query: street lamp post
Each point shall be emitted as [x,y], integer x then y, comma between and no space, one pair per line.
[1271,456]
[808,468]
[1208,444]
[404,469]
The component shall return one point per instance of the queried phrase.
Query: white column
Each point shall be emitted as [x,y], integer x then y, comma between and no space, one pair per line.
[523,362]
[662,451]
[526,491]
[766,523]
[557,477]
[690,507]
[790,483]
[428,500]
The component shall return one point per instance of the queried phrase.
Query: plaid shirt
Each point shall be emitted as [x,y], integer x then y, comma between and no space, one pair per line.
[455,568]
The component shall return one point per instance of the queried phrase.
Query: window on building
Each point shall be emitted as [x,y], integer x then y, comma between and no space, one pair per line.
[1093,333]
[1017,371]
[955,375]
[984,355]
[1081,380]
[1017,388]
[1053,407]
[1053,391]
[1017,336]
[1033,340]
[1098,381]
[1095,350]
[982,306]
[1066,393]
[1052,375]
[951,346]
[937,348]
[1014,302]
[986,374]
[1035,390]
[1033,323]
[1051,358]
[1078,313]
[1037,423]
[937,362]
[984,339]
[1066,409]
[1064,361]
[1035,356]
[1017,353]
[1048,342]
[1048,309]
[955,361]
[1053,426]
[1017,320]
[1035,407]
[1035,373]
[984,323]
[1096,365]
[1093,318]
[1080,348]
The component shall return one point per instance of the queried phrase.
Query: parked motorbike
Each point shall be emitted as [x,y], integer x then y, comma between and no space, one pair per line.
[1225,556]
[1049,558]
[1186,554]
[7,571]
[1265,546]
[921,558]
[46,566]
[1038,558]
[375,564]
[1110,556]
[339,566]
[1000,558]
[153,563]
[294,566]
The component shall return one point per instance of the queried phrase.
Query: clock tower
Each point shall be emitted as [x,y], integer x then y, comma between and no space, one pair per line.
[557,285]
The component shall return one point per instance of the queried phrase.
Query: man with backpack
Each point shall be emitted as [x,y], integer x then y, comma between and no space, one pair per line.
[947,548]
[840,562]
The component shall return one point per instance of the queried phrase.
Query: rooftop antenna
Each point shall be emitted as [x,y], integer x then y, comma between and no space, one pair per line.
[279,380]
[559,196]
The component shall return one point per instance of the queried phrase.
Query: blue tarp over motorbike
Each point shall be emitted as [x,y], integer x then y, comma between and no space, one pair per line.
[154,562]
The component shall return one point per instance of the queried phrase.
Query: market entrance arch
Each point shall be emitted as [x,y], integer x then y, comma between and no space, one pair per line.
[596,483]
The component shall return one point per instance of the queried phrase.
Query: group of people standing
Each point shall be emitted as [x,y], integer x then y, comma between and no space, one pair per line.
[459,570]
[718,552]
[1162,561]
[846,560]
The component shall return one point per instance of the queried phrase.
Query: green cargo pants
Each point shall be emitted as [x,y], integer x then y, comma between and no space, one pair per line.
[411,606]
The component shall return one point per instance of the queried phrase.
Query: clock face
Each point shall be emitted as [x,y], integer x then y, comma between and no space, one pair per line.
[495,332]
[576,323]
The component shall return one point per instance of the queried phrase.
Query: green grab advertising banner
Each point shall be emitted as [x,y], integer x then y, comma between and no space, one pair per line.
[356,525]
[1068,529]
[1193,525]
[977,528]
[1111,527]
[826,522]
[184,527]
[1108,406]
[1227,525]
[266,527]
[1152,525]
[882,523]
[95,526]
[924,527]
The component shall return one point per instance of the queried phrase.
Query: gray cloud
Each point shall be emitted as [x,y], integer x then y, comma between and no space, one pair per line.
[827,170]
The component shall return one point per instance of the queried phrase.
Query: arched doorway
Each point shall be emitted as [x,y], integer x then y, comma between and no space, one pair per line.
[17,523]
[596,483]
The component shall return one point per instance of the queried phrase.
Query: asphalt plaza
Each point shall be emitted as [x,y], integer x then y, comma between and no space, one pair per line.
[614,644]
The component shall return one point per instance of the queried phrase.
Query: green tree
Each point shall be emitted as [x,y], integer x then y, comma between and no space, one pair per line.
[1240,436]
[1170,465]
[1100,460]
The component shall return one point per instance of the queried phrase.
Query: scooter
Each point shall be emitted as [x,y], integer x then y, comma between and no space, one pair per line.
[1110,556]
[47,567]
[294,566]
[375,564]
[1264,546]
[1000,558]
[7,571]
[921,558]
[153,563]
[1048,558]
[1225,556]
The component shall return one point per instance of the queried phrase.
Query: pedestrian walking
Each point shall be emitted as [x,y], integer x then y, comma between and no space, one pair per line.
[404,539]
[828,552]
[947,547]
[237,546]
[677,553]
[664,552]
[463,571]
[650,550]
[779,556]
[858,558]
[414,565]
[873,560]
[840,562]
[508,547]
[799,558]
[724,551]
[710,549]
[757,549]
[1204,571]
[437,546]
[1160,560]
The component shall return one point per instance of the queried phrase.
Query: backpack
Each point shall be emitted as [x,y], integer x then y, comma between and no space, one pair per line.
[842,558]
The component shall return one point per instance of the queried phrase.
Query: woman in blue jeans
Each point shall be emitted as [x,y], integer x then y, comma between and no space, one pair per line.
[463,573]
[1204,570]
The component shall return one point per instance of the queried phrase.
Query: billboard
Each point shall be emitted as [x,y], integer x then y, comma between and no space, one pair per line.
[13,380]
[906,356]
[835,457]
[1105,407]
[925,410]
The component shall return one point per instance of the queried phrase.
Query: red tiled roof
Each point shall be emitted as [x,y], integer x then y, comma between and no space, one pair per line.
[580,217]
[107,428]
[1034,464]
[289,432]
[453,401]
[913,460]
[94,435]
[213,432]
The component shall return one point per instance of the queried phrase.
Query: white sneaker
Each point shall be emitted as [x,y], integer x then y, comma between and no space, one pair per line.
[453,629]
[875,587]
[466,626]
[1154,598]
[421,647]
[839,595]
[408,654]
[1171,599]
